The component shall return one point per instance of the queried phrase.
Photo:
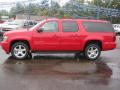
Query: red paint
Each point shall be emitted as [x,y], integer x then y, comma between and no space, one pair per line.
[60,41]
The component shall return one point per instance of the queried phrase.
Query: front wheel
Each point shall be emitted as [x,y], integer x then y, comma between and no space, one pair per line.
[92,51]
[19,50]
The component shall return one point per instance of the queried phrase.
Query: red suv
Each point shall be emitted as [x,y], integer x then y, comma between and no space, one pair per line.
[89,37]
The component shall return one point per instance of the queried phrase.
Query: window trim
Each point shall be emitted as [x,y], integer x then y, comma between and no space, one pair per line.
[70,31]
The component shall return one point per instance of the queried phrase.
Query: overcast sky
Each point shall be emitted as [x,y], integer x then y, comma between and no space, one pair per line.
[7,7]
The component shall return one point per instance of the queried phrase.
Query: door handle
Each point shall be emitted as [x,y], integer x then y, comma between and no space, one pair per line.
[55,36]
[75,35]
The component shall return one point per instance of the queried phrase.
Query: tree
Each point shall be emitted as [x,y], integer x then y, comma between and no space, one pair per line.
[45,4]
[20,8]
[4,13]
[54,8]
[79,1]
[42,8]
[107,3]
[115,4]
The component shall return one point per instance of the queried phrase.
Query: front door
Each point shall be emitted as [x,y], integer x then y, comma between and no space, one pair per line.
[48,39]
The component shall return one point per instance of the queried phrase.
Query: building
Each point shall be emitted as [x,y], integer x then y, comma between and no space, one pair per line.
[32,17]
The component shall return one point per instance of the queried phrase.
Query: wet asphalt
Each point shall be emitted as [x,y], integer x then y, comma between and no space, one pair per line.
[61,72]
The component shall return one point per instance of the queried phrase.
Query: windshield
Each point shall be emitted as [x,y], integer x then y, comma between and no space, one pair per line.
[37,25]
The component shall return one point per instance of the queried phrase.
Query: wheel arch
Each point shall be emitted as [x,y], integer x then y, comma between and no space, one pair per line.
[20,40]
[98,42]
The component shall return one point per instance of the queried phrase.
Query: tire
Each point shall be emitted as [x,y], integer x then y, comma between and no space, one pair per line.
[29,55]
[19,50]
[92,51]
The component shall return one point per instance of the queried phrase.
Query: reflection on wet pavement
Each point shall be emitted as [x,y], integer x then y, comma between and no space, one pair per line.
[60,72]
[40,72]
[46,64]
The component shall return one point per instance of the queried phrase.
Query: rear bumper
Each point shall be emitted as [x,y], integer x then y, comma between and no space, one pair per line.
[109,46]
[5,46]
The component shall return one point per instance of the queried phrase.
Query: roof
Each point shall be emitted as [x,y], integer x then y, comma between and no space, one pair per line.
[91,20]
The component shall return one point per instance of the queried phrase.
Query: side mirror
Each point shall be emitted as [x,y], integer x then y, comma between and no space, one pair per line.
[40,30]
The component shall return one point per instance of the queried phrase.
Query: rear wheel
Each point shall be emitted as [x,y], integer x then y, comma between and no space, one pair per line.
[92,51]
[20,50]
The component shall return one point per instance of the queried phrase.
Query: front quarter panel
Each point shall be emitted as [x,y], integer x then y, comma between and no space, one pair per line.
[17,37]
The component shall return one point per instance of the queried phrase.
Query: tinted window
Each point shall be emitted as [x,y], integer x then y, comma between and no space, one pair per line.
[98,27]
[50,27]
[69,26]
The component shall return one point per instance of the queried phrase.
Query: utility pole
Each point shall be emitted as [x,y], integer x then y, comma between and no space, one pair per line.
[51,2]
[111,12]
[51,7]
[98,11]
[29,10]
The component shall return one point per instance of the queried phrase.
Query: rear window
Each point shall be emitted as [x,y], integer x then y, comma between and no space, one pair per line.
[98,27]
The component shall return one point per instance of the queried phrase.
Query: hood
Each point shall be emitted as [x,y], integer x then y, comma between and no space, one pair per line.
[16,31]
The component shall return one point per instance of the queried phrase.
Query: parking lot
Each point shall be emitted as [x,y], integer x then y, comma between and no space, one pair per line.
[61,72]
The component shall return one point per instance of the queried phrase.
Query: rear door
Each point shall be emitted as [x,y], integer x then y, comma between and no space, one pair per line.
[70,35]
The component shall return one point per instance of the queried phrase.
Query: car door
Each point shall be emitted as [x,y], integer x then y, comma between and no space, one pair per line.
[48,39]
[70,37]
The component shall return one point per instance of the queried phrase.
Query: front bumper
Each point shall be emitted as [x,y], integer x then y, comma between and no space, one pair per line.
[5,46]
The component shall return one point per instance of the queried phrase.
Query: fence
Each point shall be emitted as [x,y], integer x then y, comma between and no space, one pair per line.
[71,9]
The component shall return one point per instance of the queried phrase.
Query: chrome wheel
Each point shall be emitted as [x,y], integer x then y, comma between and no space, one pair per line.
[20,51]
[92,52]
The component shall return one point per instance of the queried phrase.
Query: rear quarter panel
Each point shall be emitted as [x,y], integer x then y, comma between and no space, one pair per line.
[106,38]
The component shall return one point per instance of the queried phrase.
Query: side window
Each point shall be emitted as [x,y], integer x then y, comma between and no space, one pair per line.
[98,27]
[69,26]
[51,26]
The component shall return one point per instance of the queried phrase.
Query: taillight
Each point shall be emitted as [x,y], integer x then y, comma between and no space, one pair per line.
[114,37]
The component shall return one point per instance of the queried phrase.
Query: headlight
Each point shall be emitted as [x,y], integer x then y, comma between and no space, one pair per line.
[5,38]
